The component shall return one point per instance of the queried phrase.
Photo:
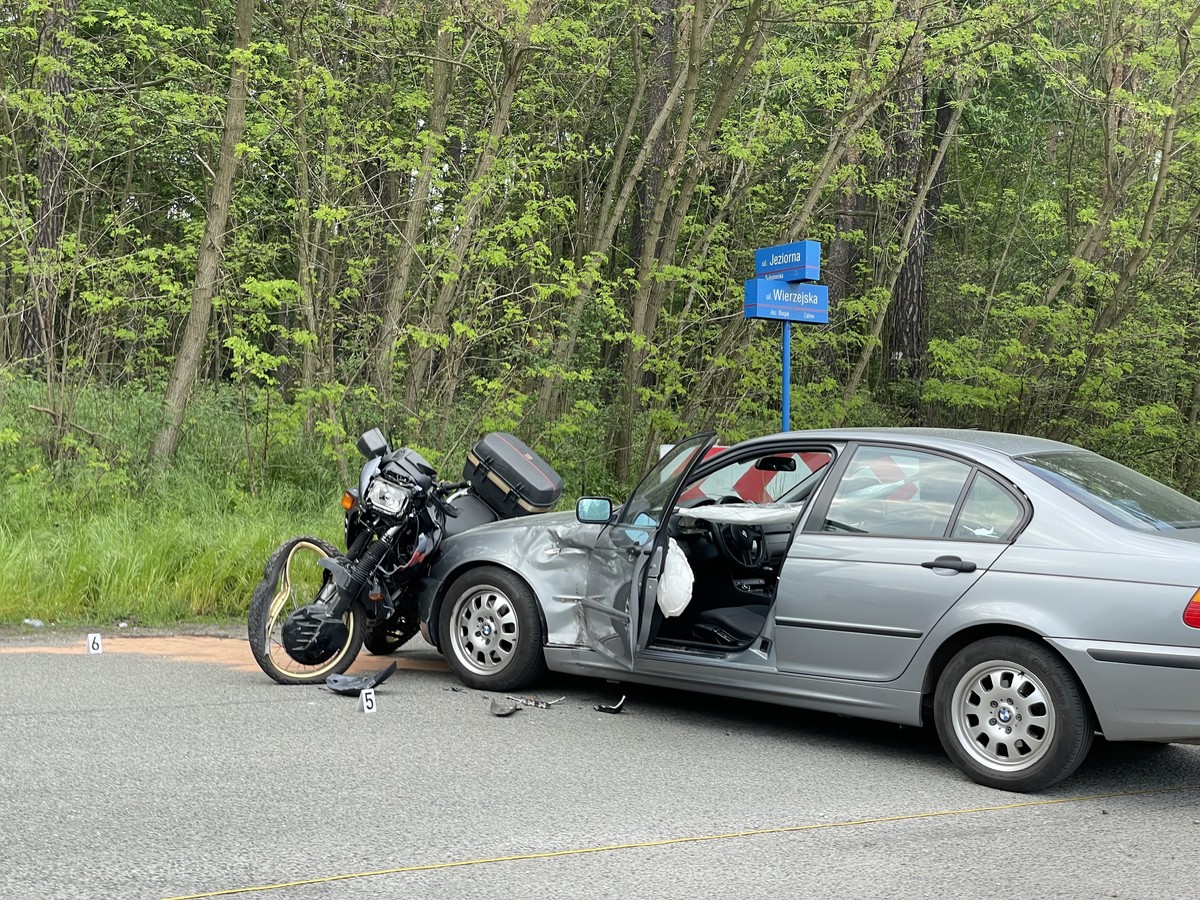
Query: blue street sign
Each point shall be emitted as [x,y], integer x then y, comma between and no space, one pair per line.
[766,299]
[799,261]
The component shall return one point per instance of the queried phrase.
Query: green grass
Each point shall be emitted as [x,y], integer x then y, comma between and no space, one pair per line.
[92,534]
[149,564]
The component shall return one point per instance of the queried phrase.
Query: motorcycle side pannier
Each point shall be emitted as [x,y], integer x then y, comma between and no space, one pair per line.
[510,478]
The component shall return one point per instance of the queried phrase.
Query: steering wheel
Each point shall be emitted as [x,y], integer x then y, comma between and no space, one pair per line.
[743,543]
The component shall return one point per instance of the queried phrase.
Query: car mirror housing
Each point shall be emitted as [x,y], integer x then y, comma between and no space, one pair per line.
[594,510]
[776,464]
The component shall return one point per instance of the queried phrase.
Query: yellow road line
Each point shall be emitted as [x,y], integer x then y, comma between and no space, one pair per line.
[692,839]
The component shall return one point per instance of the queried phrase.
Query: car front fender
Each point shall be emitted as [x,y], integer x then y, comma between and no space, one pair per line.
[549,552]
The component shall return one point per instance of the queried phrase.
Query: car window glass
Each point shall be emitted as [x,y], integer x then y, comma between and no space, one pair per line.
[1116,492]
[645,505]
[745,482]
[898,493]
[990,513]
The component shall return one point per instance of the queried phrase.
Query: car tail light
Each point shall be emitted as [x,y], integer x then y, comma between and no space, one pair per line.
[1191,613]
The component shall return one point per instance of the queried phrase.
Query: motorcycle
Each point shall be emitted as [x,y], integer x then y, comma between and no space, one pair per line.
[315,608]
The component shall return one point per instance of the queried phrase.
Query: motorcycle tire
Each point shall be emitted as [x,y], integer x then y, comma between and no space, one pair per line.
[291,580]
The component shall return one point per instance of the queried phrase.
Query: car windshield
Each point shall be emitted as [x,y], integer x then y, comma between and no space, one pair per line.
[804,489]
[1115,491]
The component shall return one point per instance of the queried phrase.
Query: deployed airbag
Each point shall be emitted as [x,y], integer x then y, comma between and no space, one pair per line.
[744,514]
[675,583]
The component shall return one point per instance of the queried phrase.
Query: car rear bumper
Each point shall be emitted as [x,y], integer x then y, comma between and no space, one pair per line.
[1140,692]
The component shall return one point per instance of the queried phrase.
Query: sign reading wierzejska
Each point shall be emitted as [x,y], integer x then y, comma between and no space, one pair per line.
[774,299]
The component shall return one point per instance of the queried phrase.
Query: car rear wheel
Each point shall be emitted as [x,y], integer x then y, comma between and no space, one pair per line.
[491,632]
[1010,714]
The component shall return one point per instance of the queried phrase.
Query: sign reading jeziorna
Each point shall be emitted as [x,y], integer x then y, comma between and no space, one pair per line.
[798,261]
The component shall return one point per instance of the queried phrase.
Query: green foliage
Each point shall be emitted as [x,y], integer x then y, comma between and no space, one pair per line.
[560,251]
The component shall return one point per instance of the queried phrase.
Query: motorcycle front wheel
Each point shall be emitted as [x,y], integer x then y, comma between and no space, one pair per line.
[290,581]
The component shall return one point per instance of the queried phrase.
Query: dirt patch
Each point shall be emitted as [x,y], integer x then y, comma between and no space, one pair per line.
[229,652]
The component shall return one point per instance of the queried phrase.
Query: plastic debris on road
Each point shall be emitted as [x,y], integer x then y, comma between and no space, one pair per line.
[503,709]
[351,685]
[614,709]
[535,703]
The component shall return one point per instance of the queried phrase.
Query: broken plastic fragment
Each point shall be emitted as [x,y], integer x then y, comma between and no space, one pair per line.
[503,709]
[537,704]
[614,709]
[350,685]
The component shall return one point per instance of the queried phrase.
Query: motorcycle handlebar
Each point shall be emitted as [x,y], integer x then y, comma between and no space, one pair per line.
[442,488]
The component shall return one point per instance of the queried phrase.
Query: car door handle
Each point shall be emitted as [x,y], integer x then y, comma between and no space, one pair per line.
[951,562]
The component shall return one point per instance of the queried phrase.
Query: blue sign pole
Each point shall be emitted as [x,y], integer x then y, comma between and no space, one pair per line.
[787,376]
[783,289]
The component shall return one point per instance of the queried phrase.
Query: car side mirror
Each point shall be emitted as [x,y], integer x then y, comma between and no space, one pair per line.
[594,510]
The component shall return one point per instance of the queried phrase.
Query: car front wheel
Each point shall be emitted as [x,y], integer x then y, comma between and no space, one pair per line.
[1011,714]
[491,633]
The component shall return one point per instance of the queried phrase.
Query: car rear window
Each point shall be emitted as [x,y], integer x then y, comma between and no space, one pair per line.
[1116,492]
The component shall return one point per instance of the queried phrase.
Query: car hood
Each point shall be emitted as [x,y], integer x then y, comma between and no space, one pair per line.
[525,525]
[1191,535]
[518,542]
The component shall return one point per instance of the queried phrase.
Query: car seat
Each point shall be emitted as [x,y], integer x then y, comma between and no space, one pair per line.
[731,626]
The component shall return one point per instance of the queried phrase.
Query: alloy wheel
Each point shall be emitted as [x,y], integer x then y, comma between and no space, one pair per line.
[1003,716]
[485,629]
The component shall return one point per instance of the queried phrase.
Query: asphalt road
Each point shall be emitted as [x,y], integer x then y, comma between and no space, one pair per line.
[134,776]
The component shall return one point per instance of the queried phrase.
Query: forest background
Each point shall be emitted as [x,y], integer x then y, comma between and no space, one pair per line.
[231,238]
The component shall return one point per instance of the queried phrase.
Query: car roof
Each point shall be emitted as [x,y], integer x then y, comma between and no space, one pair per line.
[960,439]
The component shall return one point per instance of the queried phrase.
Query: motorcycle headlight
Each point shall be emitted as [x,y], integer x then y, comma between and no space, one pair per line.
[387,497]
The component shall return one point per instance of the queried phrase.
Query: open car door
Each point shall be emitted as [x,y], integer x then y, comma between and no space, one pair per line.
[630,551]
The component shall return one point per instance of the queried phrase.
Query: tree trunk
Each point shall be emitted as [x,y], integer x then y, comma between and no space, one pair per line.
[864,357]
[305,238]
[649,204]
[652,292]
[38,315]
[406,252]
[863,97]
[195,335]
[449,290]
[838,273]
[661,74]
[908,313]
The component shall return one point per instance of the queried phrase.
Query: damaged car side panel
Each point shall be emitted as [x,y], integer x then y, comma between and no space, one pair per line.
[552,559]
